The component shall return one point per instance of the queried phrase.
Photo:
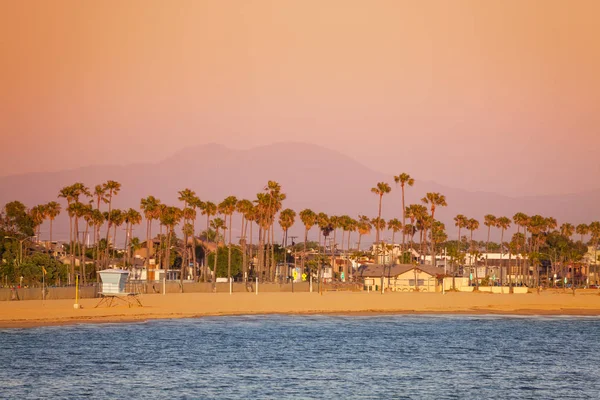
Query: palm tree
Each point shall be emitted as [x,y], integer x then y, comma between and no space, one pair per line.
[404,179]
[434,200]
[582,229]
[309,219]
[67,193]
[286,220]
[364,228]
[210,210]
[323,223]
[150,207]
[188,197]
[132,217]
[88,216]
[52,210]
[194,204]
[520,219]
[113,188]
[170,217]
[246,209]
[473,225]
[381,189]
[100,195]
[379,224]
[503,223]
[594,229]
[460,221]
[96,220]
[395,226]
[37,214]
[489,221]
[276,199]
[217,224]
[567,230]
[227,208]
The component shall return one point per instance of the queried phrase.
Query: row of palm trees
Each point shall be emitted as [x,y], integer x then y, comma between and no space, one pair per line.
[86,205]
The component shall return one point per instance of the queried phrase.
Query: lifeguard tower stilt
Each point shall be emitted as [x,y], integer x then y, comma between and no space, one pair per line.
[113,289]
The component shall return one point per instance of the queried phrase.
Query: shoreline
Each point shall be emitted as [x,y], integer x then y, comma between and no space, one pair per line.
[37,313]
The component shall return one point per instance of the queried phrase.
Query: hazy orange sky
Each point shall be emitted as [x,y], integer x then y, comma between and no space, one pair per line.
[482,95]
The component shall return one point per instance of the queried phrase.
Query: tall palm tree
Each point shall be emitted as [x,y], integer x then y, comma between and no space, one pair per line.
[323,223]
[67,193]
[286,220]
[37,214]
[195,203]
[210,210]
[582,230]
[381,189]
[473,225]
[88,216]
[594,228]
[460,221]
[217,224]
[96,220]
[246,209]
[113,188]
[434,200]
[567,230]
[309,219]
[404,179]
[489,221]
[52,210]
[227,208]
[520,219]
[188,196]
[503,223]
[276,198]
[170,218]
[150,207]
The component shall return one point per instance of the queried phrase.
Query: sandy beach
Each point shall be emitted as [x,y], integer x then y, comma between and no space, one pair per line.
[33,313]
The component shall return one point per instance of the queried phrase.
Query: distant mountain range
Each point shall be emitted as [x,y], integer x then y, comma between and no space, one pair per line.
[311,176]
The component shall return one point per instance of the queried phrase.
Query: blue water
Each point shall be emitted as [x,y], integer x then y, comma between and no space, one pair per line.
[274,357]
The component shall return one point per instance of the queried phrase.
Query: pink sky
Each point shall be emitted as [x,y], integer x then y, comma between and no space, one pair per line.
[484,95]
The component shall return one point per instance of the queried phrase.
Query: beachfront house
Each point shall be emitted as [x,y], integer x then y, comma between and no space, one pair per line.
[400,277]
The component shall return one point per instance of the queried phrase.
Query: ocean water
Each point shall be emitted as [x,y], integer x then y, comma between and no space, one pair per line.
[284,357]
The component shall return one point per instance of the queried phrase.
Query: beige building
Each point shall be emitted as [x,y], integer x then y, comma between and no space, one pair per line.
[401,277]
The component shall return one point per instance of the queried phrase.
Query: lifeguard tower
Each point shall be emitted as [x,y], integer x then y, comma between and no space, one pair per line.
[114,283]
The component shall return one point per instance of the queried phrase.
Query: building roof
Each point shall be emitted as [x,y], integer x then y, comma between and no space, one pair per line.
[376,270]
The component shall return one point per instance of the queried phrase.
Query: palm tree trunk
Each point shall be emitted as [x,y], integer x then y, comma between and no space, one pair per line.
[214,277]
[244,255]
[304,251]
[51,219]
[84,274]
[194,243]
[229,250]
[378,218]
[273,263]
[403,223]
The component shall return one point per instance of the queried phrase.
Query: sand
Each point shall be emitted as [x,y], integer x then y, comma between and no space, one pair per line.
[19,314]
